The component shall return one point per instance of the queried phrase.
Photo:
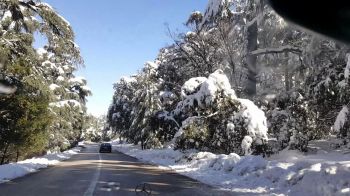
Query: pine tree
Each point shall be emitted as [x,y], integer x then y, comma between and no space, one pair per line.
[28,77]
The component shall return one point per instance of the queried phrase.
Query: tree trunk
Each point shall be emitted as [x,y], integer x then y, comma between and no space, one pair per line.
[287,75]
[4,154]
[17,155]
[287,78]
[252,45]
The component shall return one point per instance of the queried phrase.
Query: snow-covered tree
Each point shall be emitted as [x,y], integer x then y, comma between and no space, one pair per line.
[119,113]
[68,100]
[135,103]
[286,72]
[292,121]
[95,128]
[28,76]
[216,120]
[328,86]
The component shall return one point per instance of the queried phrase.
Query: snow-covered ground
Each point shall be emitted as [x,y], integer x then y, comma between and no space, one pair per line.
[322,172]
[21,168]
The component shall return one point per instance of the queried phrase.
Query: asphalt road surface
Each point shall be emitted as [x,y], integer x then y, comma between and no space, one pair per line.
[91,173]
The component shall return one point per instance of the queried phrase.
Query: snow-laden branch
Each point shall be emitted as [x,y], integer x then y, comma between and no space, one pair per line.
[173,119]
[4,89]
[258,18]
[341,119]
[251,22]
[281,49]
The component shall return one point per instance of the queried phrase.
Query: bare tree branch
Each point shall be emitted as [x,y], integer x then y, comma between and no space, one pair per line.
[281,49]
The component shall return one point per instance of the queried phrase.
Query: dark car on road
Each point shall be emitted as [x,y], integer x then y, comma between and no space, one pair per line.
[106,147]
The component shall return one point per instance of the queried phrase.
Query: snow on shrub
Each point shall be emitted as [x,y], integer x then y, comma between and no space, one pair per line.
[215,120]
[291,121]
[191,86]
[341,119]
[167,97]
[342,124]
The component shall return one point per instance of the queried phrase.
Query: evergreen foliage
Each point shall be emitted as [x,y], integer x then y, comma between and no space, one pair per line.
[288,73]
[43,107]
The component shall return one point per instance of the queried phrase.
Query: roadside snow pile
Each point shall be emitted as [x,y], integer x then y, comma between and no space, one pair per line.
[287,173]
[21,168]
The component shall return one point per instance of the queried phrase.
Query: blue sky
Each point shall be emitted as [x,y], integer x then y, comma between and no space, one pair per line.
[116,37]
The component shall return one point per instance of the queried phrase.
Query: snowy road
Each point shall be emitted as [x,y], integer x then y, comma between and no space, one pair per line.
[90,173]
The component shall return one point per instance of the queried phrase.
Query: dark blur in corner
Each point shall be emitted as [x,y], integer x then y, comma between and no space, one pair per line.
[329,18]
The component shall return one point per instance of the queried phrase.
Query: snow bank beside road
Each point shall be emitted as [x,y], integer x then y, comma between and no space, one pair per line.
[21,168]
[287,173]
